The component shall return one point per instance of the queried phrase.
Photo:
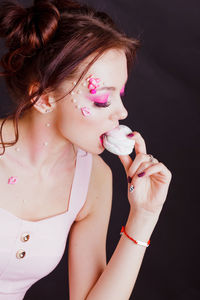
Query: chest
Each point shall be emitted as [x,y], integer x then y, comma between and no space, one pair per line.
[34,197]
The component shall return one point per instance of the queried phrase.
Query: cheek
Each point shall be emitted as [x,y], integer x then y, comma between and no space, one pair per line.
[73,125]
[85,110]
[81,131]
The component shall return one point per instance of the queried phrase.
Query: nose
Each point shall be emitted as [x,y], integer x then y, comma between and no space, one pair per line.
[120,113]
[123,114]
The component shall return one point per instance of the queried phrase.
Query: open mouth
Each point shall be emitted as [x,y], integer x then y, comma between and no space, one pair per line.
[101,138]
[106,133]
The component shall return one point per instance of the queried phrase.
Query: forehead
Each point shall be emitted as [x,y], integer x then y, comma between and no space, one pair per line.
[111,68]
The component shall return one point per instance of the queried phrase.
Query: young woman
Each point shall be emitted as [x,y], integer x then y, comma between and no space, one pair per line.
[66,69]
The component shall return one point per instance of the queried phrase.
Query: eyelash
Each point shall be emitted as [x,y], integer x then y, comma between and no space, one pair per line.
[98,104]
[106,104]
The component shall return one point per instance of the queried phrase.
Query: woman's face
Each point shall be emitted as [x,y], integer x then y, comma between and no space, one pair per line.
[95,106]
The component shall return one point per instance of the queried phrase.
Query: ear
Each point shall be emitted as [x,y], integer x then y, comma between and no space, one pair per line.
[45,103]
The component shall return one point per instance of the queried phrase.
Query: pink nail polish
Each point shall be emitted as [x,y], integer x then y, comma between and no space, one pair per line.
[129,179]
[141,174]
[130,134]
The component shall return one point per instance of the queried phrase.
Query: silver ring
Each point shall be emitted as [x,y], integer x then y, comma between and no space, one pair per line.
[131,188]
[151,158]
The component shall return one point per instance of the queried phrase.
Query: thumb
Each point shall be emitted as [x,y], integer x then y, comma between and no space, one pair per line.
[126,161]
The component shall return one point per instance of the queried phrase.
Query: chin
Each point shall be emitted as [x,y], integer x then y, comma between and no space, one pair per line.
[101,147]
[92,146]
[100,151]
[94,150]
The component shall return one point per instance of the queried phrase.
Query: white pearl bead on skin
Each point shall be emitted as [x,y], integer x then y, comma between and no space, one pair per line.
[51,100]
[47,124]
[45,143]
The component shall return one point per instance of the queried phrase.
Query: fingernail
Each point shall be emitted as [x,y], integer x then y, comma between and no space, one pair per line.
[130,134]
[129,179]
[141,174]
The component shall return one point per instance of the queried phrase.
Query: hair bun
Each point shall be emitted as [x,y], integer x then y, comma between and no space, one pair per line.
[26,29]
[64,4]
[31,27]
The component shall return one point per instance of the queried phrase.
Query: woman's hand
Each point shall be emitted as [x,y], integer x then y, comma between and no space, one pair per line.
[150,190]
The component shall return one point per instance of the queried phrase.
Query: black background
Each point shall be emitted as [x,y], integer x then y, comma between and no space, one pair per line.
[162,98]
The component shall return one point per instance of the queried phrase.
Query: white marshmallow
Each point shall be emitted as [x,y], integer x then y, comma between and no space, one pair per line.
[117,142]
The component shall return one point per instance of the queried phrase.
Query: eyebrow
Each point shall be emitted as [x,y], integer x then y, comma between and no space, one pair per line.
[108,88]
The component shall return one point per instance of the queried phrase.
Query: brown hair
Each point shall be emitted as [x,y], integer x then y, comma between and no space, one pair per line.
[46,44]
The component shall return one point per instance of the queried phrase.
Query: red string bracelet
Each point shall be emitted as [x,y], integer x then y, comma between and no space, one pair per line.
[136,242]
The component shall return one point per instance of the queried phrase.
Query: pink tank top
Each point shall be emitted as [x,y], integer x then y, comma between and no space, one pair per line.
[31,250]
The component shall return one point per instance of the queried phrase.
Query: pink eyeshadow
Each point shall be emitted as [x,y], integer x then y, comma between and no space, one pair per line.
[122,91]
[99,99]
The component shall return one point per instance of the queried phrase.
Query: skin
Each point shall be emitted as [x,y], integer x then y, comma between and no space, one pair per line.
[52,166]
[69,130]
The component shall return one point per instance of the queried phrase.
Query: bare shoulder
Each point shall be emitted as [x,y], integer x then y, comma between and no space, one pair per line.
[100,184]
[88,234]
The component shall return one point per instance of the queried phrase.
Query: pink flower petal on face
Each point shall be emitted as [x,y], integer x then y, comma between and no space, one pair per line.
[93,81]
[85,111]
[12,180]
[91,86]
[93,91]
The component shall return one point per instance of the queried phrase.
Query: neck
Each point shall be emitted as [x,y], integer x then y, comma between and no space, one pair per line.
[40,145]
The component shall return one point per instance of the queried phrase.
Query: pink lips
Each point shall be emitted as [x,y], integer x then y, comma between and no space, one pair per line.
[101,139]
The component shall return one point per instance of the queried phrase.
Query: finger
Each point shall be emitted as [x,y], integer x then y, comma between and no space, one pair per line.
[126,161]
[135,179]
[142,168]
[139,159]
[160,169]
[140,146]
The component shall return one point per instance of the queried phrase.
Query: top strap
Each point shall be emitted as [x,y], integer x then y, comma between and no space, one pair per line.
[81,181]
